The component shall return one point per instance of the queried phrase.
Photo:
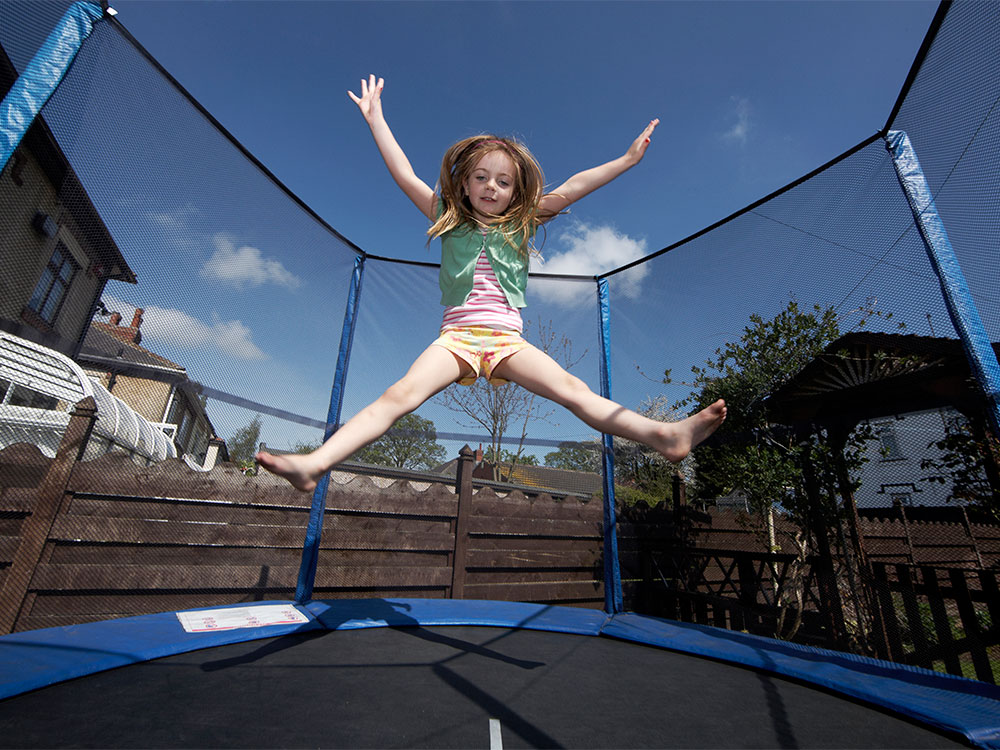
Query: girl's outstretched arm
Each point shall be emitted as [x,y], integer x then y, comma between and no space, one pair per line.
[589,180]
[370,104]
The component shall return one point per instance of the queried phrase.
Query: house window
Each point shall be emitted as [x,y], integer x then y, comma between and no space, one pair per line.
[900,494]
[901,498]
[52,286]
[890,443]
[184,431]
[19,395]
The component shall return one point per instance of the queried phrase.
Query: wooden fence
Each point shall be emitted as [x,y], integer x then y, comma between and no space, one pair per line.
[941,618]
[106,538]
[947,536]
[898,602]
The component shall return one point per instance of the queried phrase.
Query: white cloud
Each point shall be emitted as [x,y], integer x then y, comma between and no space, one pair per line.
[178,220]
[245,266]
[176,328]
[590,251]
[741,128]
[175,228]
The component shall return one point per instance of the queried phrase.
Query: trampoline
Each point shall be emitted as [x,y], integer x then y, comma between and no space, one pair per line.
[441,673]
[406,672]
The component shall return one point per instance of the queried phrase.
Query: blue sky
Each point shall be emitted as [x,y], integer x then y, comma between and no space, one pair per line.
[750,95]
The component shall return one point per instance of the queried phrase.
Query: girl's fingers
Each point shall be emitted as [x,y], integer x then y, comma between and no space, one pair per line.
[369,87]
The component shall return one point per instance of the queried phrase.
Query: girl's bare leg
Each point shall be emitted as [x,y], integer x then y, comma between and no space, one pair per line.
[539,373]
[435,369]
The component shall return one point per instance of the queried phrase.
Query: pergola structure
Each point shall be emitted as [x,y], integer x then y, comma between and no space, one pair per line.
[865,375]
[869,375]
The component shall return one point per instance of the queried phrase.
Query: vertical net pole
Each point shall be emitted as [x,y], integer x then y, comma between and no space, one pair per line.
[612,572]
[314,531]
[957,296]
[35,86]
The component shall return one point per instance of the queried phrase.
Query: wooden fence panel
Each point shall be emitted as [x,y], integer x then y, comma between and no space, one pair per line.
[128,539]
[942,618]
[534,549]
[987,537]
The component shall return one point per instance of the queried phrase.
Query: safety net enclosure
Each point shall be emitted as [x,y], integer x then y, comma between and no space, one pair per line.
[832,552]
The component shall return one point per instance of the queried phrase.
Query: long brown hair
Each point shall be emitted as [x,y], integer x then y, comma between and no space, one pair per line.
[519,221]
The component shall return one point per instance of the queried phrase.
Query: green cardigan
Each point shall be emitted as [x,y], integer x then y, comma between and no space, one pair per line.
[460,249]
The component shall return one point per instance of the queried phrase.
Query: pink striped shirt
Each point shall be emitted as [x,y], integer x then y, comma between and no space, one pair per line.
[486,306]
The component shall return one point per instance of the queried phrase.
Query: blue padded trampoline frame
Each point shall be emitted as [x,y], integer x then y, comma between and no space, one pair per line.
[35,659]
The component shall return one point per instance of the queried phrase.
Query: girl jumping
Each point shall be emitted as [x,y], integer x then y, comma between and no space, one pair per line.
[491,202]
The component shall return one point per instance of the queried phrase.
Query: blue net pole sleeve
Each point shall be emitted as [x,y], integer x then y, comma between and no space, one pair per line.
[613,602]
[314,531]
[957,296]
[36,84]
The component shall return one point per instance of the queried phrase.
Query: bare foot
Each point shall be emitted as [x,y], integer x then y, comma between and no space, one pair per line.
[294,467]
[678,438]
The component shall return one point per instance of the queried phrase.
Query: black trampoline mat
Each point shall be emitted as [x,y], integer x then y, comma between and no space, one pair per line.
[439,688]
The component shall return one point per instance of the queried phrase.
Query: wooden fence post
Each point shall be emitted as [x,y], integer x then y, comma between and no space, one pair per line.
[749,586]
[890,618]
[967,526]
[49,498]
[901,509]
[939,616]
[914,621]
[970,624]
[679,493]
[463,488]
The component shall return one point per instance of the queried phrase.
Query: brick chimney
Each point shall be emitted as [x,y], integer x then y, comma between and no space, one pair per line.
[136,323]
[126,333]
[479,454]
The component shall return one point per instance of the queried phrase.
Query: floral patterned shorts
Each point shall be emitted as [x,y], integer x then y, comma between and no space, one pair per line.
[482,348]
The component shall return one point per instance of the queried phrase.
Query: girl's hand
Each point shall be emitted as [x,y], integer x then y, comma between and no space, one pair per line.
[370,101]
[638,148]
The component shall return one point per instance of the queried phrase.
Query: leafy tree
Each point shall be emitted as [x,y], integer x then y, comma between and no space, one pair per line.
[641,473]
[803,471]
[970,458]
[757,458]
[305,447]
[509,457]
[411,443]
[243,444]
[576,456]
[500,409]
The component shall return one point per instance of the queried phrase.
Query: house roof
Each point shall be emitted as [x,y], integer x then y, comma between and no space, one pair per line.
[546,477]
[113,348]
[868,375]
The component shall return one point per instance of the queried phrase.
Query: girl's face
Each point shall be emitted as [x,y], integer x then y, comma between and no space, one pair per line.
[490,186]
